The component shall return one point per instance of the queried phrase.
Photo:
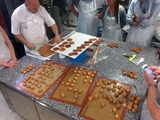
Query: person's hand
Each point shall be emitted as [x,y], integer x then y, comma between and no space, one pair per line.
[13,62]
[57,39]
[138,20]
[149,16]
[99,15]
[148,78]
[135,24]
[156,71]
[30,46]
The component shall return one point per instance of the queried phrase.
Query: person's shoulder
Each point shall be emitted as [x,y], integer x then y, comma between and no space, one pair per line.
[19,9]
[121,8]
[41,8]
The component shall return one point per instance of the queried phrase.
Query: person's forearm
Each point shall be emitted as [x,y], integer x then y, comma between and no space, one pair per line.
[10,46]
[71,7]
[153,108]
[55,29]
[21,39]
[4,64]
[130,14]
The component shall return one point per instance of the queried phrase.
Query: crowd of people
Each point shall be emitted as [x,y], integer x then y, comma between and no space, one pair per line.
[29,19]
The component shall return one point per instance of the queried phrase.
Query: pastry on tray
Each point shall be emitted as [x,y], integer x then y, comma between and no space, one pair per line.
[74,86]
[107,96]
[45,51]
[38,82]
[52,41]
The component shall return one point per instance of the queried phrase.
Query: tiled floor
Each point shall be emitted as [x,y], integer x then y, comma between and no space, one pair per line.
[5,112]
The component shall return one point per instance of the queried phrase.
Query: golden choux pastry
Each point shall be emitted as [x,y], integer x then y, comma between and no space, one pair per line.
[114,109]
[63,95]
[103,104]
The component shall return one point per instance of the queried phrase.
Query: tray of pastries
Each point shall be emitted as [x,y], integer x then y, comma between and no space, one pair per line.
[45,51]
[74,86]
[41,80]
[107,100]
[74,45]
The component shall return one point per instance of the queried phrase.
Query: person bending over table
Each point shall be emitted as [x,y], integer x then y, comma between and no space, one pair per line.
[28,24]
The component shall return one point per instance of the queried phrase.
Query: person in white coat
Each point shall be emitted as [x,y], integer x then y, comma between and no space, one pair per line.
[151,108]
[7,54]
[87,15]
[28,24]
[141,17]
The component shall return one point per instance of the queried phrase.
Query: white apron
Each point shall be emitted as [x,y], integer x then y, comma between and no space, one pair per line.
[5,54]
[87,19]
[141,35]
[111,29]
[36,33]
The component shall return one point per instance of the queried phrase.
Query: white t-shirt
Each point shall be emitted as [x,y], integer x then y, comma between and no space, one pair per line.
[21,14]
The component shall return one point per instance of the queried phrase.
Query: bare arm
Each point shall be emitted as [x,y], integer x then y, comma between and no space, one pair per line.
[71,7]
[151,96]
[24,41]
[55,30]
[153,108]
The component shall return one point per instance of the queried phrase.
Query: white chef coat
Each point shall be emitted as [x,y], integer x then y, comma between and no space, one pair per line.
[31,25]
[5,54]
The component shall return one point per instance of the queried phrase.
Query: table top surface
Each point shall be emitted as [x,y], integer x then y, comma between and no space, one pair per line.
[109,64]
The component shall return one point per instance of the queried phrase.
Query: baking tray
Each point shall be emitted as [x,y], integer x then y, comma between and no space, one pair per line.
[41,80]
[74,86]
[99,104]
[78,39]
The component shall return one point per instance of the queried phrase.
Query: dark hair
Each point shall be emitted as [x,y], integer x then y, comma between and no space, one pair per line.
[116,6]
